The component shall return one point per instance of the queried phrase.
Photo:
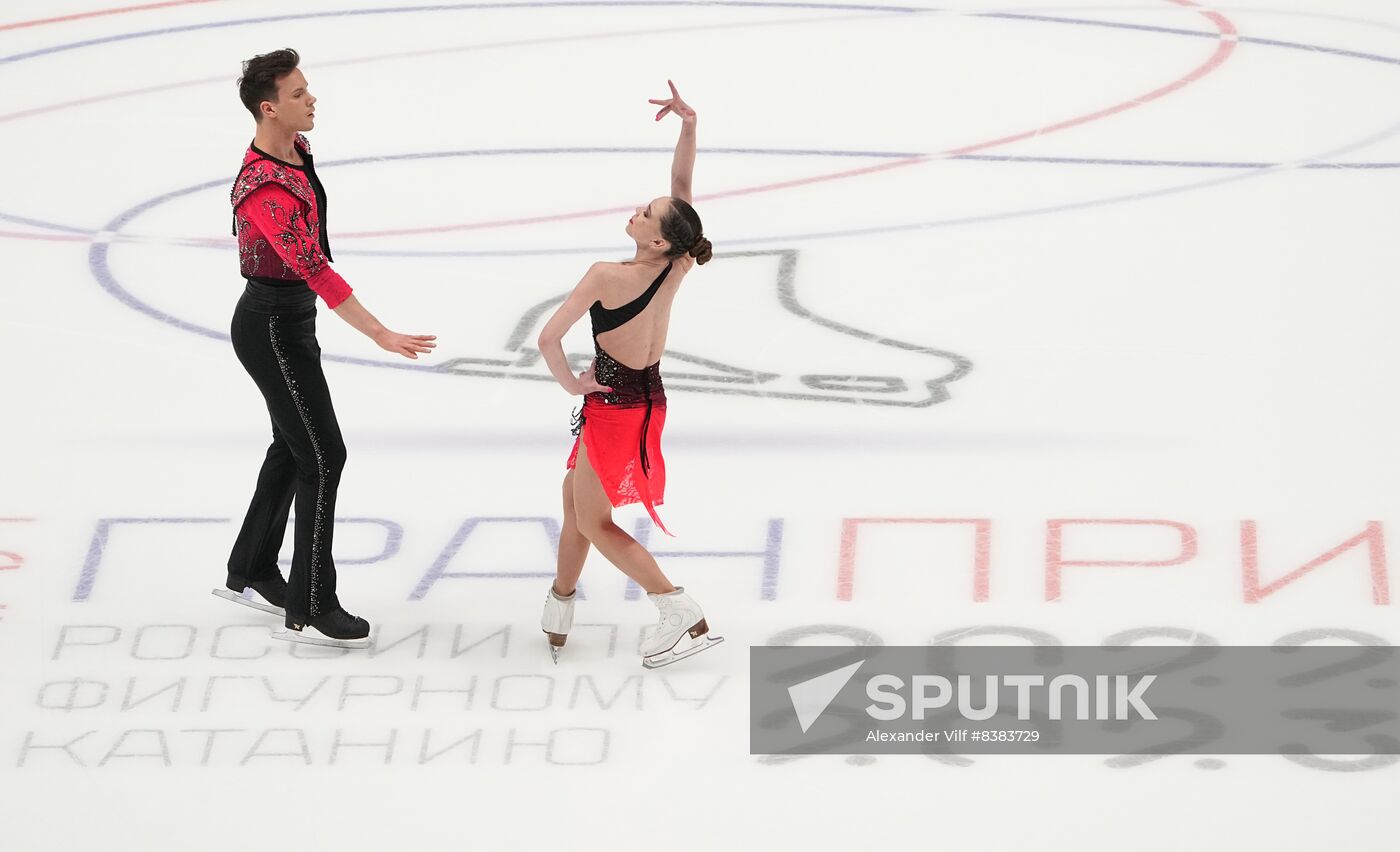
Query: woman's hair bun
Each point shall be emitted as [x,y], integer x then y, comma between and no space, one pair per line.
[702,251]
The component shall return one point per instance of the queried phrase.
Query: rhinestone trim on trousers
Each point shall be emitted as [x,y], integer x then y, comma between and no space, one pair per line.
[274,336]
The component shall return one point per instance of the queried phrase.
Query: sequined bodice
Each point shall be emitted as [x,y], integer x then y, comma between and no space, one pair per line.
[630,387]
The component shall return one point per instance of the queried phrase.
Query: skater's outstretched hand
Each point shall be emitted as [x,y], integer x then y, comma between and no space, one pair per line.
[407,345]
[676,105]
[359,318]
[588,383]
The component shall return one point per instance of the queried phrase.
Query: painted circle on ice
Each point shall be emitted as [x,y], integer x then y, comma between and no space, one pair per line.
[1225,35]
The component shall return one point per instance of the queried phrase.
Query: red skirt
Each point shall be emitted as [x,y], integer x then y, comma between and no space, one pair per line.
[624,449]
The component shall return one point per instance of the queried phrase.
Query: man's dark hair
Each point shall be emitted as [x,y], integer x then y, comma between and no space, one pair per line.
[261,75]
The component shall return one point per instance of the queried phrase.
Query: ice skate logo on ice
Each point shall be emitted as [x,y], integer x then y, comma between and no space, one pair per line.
[811,697]
[738,334]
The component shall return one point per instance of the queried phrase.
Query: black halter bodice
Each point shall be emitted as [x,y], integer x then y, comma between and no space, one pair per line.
[607,319]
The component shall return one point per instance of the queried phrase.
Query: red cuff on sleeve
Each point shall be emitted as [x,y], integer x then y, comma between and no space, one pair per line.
[330,286]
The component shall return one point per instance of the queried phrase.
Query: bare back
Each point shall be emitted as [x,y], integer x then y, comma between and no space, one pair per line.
[639,342]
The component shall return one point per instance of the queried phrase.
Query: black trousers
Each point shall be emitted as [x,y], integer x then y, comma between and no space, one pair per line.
[274,336]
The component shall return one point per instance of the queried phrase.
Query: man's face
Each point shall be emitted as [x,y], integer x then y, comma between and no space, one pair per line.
[295,108]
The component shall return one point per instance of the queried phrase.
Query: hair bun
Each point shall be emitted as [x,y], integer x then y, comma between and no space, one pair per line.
[702,251]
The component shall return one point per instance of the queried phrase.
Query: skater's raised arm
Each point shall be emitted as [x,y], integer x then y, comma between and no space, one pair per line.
[551,339]
[683,164]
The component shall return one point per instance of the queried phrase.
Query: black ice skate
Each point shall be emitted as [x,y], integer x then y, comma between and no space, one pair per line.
[271,594]
[336,629]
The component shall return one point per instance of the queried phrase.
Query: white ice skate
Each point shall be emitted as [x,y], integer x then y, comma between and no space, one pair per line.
[558,618]
[680,631]
[254,600]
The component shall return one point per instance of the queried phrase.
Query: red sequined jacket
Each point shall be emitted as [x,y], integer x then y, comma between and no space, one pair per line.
[278,225]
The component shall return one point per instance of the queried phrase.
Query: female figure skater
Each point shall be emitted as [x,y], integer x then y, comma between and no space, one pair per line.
[279,217]
[616,459]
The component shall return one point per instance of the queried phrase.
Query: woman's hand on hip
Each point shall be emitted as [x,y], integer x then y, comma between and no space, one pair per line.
[588,383]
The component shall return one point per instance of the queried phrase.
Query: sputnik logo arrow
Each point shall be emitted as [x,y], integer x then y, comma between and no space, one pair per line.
[810,698]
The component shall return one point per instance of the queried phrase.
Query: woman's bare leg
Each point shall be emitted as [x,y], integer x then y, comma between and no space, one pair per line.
[593,518]
[573,545]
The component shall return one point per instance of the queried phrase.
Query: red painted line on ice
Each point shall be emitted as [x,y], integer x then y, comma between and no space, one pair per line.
[121,10]
[1229,39]
[64,238]
[111,96]
[1224,49]
[410,54]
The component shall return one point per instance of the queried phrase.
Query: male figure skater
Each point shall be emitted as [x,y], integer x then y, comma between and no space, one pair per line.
[279,217]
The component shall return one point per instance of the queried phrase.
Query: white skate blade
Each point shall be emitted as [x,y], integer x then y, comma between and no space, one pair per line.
[256,603]
[309,636]
[665,658]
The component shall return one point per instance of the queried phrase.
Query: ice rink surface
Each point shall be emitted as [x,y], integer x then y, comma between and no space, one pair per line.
[1071,318]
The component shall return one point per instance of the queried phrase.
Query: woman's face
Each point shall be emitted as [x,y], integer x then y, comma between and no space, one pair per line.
[645,224]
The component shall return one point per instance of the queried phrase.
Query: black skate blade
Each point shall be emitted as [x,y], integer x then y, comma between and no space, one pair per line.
[309,637]
[665,658]
[255,603]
